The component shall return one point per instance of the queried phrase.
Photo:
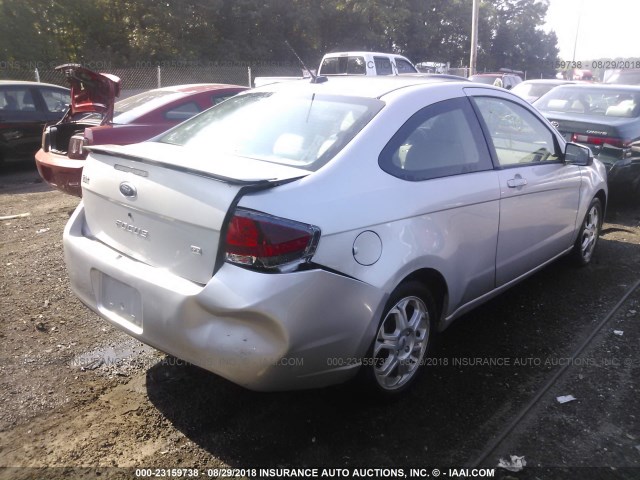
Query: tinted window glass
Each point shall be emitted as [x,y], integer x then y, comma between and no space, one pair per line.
[216,99]
[440,140]
[182,112]
[56,100]
[343,65]
[518,136]
[16,99]
[404,67]
[383,66]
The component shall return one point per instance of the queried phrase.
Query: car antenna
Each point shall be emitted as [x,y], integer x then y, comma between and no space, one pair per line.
[314,78]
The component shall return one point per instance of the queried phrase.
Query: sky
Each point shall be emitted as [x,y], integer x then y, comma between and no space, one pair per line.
[608,28]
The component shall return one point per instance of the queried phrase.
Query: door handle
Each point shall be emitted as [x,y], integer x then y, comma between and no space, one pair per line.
[516,182]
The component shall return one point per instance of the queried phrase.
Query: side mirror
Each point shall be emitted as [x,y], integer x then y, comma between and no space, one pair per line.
[575,154]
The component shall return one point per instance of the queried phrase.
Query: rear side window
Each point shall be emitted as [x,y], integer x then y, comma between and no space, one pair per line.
[56,100]
[383,66]
[440,140]
[16,99]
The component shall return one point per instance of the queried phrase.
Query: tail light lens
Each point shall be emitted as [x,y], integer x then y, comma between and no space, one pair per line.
[271,243]
[600,141]
[76,149]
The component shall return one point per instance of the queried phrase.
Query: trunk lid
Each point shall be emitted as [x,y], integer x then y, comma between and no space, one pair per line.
[601,136]
[91,92]
[162,205]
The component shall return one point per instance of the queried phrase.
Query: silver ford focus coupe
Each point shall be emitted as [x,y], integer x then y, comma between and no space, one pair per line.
[307,233]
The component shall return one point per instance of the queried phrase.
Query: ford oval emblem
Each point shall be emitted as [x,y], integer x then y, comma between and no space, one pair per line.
[128,190]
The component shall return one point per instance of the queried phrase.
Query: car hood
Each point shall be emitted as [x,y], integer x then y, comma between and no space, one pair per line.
[91,92]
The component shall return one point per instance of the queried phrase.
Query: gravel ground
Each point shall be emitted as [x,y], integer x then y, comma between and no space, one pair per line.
[74,392]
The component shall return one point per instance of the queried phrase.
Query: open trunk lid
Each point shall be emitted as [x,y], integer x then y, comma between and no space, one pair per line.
[91,92]
[163,205]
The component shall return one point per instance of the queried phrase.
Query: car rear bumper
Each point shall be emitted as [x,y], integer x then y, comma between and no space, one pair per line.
[60,172]
[262,331]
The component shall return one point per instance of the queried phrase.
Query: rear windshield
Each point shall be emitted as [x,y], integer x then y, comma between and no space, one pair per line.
[304,131]
[590,101]
[532,89]
[625,77]
[130,103]
[343,65]
[483,79]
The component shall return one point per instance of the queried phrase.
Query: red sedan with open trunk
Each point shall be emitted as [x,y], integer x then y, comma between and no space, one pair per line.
[94,118]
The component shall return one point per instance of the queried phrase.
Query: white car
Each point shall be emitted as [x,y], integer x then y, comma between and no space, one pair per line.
[300,235]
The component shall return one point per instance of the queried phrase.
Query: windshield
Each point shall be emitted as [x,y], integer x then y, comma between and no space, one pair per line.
[304,131]
[591,101]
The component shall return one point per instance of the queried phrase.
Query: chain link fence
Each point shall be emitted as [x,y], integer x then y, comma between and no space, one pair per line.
[147,76]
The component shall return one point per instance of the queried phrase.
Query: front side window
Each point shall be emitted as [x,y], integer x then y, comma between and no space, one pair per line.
[517,135]
[404,67]
[440,140]
[301,130]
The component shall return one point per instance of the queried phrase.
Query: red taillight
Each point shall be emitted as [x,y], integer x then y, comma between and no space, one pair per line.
[267,242]
[600,141]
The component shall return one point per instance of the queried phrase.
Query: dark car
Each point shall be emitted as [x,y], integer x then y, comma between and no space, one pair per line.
[505,78]
[531,90]
[25,108]
[606,118]
[96,119]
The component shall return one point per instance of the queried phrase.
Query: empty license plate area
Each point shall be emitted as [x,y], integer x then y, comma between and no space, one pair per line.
[121,303]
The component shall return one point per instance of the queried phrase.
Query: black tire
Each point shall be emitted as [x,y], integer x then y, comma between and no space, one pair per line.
[589,233]
[394,364]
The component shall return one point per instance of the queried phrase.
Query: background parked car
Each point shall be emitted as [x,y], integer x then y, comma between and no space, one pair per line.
[239,240]
[25,108]
[505,78]
[531,90]
[130,120]
[607,119]
[624,77]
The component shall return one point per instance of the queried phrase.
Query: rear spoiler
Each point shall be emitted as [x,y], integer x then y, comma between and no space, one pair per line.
[115,152]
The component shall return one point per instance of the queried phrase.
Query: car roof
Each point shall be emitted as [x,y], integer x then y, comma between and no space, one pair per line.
[550,81]
[362,52]
[368,87]
[198,87]
[24,82]
[601,86]
[494,74]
